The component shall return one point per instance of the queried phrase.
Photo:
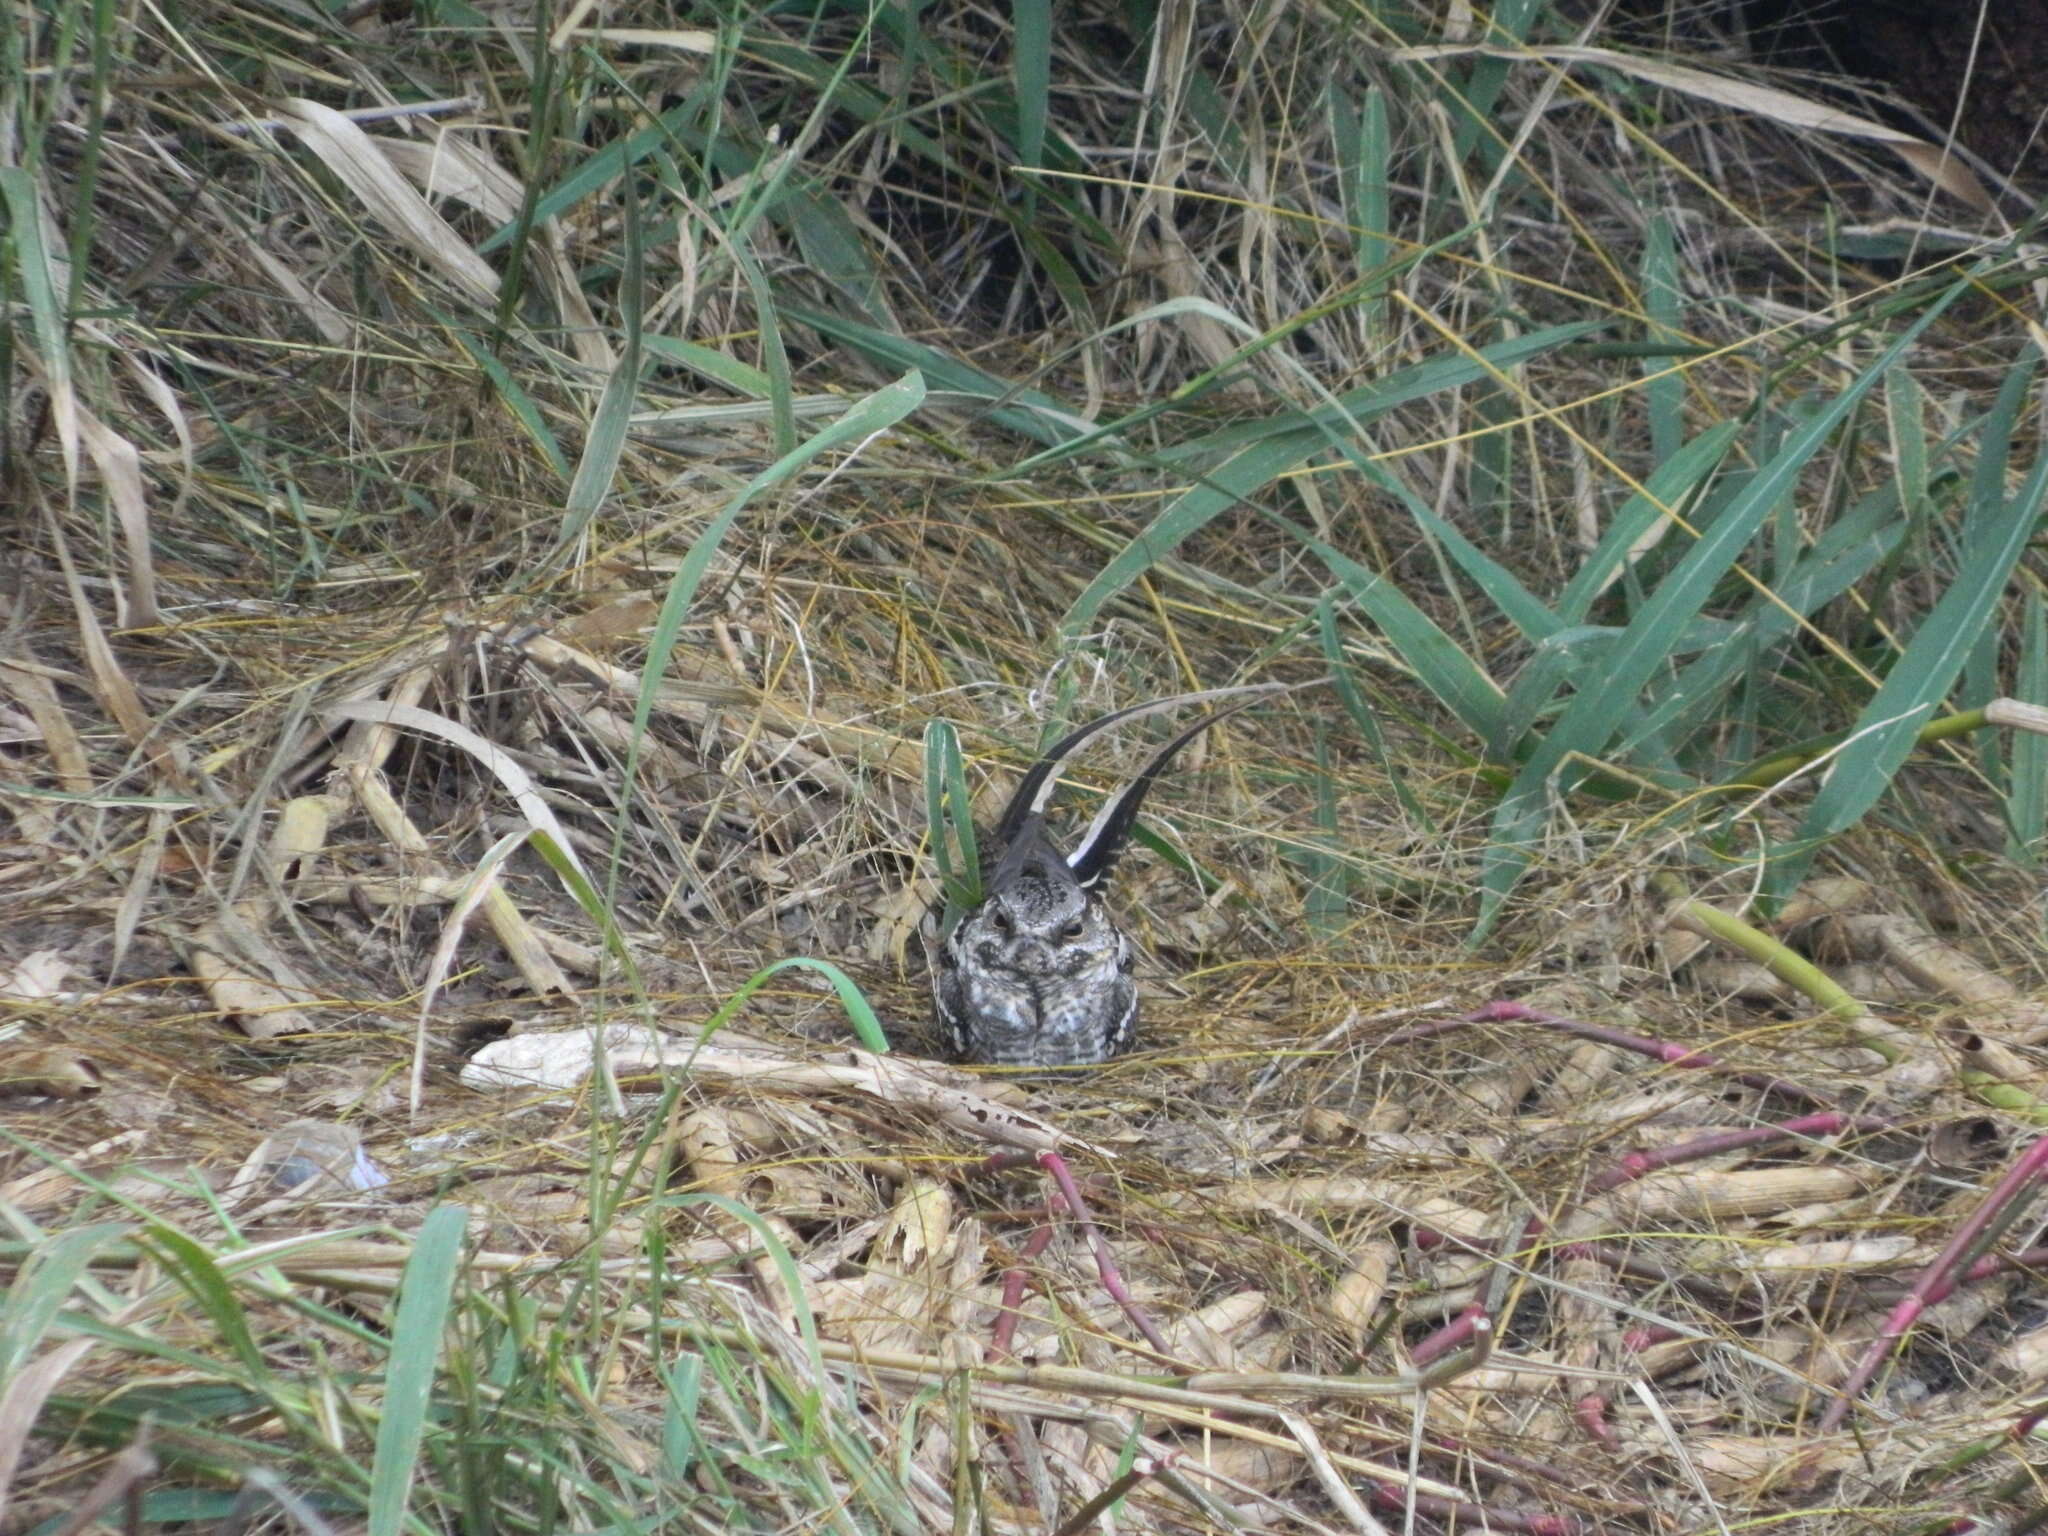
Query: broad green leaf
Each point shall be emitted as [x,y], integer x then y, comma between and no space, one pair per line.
[1995,439]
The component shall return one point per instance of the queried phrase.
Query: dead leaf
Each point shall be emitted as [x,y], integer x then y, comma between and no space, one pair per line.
[52,1071]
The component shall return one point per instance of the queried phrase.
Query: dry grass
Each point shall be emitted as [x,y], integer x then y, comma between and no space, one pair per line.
[284,453]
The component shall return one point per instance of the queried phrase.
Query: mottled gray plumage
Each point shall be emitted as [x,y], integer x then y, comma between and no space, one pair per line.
[1039,974]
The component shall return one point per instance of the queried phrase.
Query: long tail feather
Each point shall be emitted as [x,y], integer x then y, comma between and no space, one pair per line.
[1034,791]
[1110,831]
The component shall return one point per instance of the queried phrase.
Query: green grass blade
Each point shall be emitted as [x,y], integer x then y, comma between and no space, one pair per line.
[1353,699]
[1679,480]
[1516,603]
[1328,902]
[1995,437]
[1028,412]
[773,355]
[508,389]
[2026,798]
[1458,682]
[810,1402]
[605,442]
[1905,413]
[1404,386]
[43,1287]
[1889,725]
[425,1294]
[1488,76]
[858,1009]
[1031,78]
[1589,722]
[1263,452]
[1364,143]
[949,816]
[202,1279]
[1664,315]
[683,1391]
[1843,555]
[872,414]
[596,173]
[833,248]
[45,307]
[1340,413]
[1230,484]
[719,367]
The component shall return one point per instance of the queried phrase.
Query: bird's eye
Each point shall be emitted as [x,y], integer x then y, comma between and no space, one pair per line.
[1001,919]
[1072,930]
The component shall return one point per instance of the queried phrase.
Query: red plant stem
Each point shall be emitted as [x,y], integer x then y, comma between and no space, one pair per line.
[1483,1516]
[1004,1334]
[1098,1245]
[1989,1265]
[1635,1165]
[1451,1367]
[1456,1334]
[1105,1262]
[1503,1011]
[2025,1170]
[1591,1413]
[1626,1170]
